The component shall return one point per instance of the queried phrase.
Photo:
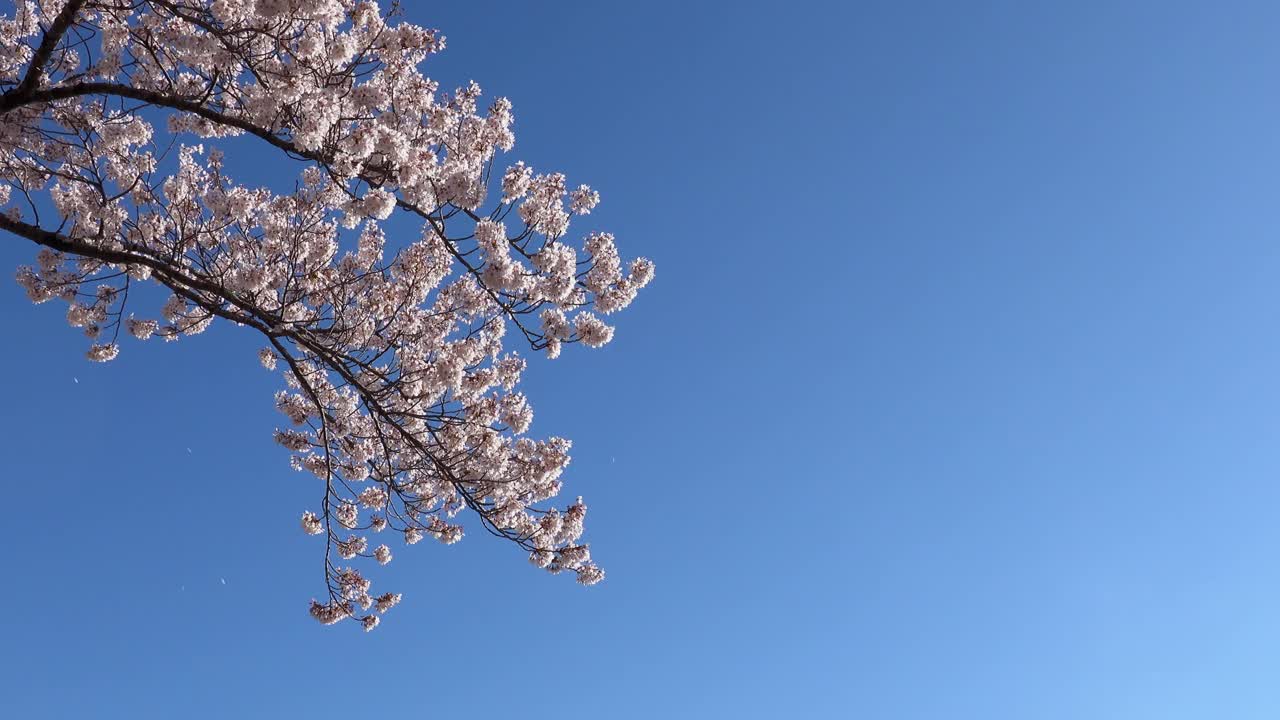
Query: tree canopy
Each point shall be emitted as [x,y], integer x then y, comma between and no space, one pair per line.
[399,384]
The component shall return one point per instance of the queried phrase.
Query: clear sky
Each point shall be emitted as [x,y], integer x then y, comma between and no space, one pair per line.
[957,395]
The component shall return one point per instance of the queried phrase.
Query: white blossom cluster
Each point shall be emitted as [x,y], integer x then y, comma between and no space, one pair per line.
[400,390]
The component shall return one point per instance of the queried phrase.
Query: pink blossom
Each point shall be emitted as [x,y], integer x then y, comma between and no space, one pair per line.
[397,371]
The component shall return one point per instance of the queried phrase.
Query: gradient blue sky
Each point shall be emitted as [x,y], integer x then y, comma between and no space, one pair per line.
[956,397]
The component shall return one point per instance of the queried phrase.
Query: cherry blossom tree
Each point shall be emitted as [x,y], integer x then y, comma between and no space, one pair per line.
[400,394]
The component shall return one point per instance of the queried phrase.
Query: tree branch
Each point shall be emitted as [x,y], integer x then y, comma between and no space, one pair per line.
[51,38]
[11,101]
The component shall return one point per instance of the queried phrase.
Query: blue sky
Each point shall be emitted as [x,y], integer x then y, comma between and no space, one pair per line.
[955,396]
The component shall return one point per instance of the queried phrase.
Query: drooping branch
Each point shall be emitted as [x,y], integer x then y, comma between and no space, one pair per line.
[402,395]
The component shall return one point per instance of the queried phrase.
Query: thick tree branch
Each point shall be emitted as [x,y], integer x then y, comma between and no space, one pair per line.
[52,37]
